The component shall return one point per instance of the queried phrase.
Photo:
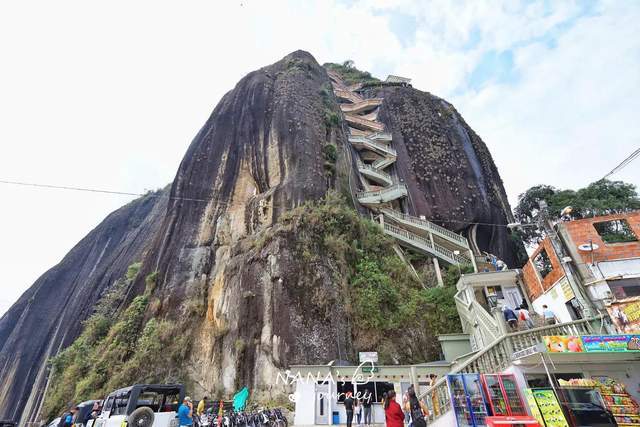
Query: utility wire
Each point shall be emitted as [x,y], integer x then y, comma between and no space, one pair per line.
[624,163]
[125,193]
[96,190]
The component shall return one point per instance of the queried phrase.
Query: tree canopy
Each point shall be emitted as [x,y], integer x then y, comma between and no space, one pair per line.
[599,198]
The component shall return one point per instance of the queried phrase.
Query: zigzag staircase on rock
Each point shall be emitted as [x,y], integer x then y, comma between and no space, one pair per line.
[382,193]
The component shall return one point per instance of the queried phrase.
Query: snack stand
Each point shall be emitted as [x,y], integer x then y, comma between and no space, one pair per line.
[547,404]
[467,398]
[614,398]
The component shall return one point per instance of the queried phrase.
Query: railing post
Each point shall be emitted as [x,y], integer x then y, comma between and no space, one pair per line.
[436,265]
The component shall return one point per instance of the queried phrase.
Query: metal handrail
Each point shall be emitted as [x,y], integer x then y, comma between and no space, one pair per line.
[361,194]
[350,118]
[368,102]
[362,165]
[432,247]
[435,228]
[366,140]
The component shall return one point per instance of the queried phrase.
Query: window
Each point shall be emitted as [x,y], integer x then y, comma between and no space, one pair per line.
[543,263]
[381,389]
[625,288]
[120,404]
[616,231]
[343,388]
[108,404]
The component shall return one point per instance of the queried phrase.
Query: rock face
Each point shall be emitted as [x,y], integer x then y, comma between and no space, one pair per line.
[448,169]
[48,316]
[261,153]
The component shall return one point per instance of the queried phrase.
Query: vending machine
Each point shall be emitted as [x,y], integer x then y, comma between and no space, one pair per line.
[468,400]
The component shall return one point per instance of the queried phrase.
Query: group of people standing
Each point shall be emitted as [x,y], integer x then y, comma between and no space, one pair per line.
[361,408]
[412,412]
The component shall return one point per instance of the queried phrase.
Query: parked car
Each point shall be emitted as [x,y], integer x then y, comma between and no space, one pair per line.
[6,423]
[83,415]
[142,405]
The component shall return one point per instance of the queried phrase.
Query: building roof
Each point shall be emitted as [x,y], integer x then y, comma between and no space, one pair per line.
[397,79]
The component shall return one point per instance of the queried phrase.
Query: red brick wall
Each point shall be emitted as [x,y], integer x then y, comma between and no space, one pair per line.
[582,230]
[532,279]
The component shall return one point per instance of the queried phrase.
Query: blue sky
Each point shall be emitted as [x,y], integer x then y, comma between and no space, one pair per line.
[109,95]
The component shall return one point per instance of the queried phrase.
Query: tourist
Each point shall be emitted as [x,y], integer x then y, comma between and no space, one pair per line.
[417,409]
[358,404]
[392,411]
[200,410]
[549,316]
[185,412]
[348,408]
[405,400]
[366,407]
[525,317]
[510,317]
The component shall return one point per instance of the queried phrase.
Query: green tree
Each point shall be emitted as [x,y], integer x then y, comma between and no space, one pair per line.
[599,198]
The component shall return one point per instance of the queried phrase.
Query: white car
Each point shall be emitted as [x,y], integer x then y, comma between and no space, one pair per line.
[142,405]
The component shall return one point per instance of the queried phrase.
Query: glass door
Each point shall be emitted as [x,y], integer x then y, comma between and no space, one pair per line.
[477,403]
[495,397]
[459,401]
[512,395]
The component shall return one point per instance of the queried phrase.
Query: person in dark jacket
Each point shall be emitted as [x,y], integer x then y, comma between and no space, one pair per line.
[348,408]
[510,317]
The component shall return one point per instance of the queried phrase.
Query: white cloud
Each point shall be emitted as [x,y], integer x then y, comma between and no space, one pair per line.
[110,94]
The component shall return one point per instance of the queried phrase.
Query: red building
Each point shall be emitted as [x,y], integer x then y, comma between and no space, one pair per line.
[601,256]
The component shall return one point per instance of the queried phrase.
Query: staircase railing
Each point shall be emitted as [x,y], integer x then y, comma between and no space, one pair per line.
[369,102]
[362,165]
[371,124]
[366,141]
[374,193]
[426,245]
[473,312]
[434,228]
[498,356]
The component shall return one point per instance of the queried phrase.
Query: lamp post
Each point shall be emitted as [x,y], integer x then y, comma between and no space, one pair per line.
[456,253]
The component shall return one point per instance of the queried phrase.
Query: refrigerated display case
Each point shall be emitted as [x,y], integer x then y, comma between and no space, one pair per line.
[468,401]
[584,407]
[503,396]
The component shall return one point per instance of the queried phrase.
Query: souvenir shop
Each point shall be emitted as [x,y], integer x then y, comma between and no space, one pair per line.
[595,384]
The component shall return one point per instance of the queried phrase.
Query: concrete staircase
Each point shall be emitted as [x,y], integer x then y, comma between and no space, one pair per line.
[383,193]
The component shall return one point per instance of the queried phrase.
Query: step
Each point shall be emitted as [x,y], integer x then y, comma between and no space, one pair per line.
[374,174]
[364,142]
[363,123]
[348,95]
[382,196]
[360,107]
[441,232]
[421,243]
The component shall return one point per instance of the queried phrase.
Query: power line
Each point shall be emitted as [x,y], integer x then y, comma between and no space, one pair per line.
[97,190]
[126,193]
[623,163]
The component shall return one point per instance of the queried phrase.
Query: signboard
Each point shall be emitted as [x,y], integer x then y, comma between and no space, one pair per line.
[566,290]
[611,343]
[626,315]
[368,356]
[370,369]
[538,348]
[592,343]
[563,344]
